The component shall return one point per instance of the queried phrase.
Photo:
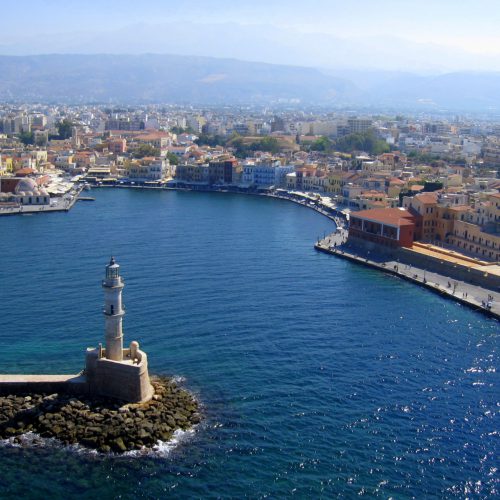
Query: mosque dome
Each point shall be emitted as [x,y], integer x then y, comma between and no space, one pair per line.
[25,185]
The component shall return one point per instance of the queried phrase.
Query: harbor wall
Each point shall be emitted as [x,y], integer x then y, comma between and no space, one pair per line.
[452,270]
[456,271]
[428,285]
[35,384]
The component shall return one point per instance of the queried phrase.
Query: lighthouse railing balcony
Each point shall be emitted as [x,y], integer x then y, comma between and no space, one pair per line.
[112,282]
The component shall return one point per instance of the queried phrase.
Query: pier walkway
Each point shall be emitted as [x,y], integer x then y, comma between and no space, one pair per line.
[15,384]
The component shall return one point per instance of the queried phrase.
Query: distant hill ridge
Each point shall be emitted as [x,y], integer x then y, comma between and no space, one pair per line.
[153,78]
[160,78]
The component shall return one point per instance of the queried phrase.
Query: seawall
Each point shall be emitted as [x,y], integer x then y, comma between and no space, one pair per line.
[429,284]
[19,384]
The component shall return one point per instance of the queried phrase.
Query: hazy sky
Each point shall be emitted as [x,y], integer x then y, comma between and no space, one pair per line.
[462,25]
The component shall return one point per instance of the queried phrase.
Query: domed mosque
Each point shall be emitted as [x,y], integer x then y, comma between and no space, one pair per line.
[26,187]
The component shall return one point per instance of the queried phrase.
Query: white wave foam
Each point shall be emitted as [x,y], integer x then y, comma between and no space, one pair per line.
[34,440]
[30,439]
[162,449]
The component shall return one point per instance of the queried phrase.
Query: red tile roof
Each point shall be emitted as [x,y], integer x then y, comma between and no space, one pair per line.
[389,216]
[427,198]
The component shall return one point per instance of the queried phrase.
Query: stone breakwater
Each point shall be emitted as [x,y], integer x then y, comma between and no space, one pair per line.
[98,423]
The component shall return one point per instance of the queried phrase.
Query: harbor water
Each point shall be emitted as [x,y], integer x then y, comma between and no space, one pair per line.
[318,378]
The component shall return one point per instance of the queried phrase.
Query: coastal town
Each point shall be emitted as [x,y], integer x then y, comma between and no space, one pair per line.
[249,249]
[427,186]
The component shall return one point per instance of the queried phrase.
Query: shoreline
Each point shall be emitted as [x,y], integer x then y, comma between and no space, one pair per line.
[339,220]
[335,217]
[433,286]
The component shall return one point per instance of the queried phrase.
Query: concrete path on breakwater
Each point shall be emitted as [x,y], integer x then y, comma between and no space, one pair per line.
[15,384]
[473,296]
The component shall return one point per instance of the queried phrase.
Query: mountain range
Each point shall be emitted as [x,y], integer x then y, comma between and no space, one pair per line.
[183,79]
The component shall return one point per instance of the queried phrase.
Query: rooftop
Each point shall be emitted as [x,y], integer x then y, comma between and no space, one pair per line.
[389,216]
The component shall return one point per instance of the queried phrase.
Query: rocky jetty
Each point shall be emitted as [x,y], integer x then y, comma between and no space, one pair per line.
[98,423]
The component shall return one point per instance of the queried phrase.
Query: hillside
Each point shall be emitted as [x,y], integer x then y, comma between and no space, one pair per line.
[161,78]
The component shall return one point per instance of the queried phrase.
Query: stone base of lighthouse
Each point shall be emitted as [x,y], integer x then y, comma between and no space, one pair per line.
[127,380]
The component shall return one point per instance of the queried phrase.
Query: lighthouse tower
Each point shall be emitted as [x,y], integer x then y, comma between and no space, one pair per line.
[113,311]
[116,372]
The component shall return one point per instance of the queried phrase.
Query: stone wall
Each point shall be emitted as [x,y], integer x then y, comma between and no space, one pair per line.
[50,384]
[459,272]
[119,380]
[443,267]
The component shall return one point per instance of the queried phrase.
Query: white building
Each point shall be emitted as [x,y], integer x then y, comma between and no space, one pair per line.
[265,175]
[154,171]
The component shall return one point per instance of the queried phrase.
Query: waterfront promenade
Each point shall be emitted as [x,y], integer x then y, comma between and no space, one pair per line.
[332,212]
[476,297]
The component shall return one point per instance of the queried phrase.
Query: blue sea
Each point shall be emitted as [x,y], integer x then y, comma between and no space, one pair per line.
[318,378]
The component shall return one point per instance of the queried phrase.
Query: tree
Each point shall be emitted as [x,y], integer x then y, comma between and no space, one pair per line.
[322,144]
[64,129]
[267,144]
[365,141]
[241,149]
[210,140]
[27,138]
[172,158]
[145,150]
[430,186]
[180,130]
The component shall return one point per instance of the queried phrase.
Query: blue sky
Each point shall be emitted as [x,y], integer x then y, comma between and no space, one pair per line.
[461,25]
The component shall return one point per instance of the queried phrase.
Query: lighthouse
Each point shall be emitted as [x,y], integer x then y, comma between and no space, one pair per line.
[117,372]
[113,311]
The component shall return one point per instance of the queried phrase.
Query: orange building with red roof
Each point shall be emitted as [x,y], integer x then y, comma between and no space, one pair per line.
[389,227]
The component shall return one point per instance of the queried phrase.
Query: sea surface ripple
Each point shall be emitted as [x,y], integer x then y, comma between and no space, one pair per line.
[318,378]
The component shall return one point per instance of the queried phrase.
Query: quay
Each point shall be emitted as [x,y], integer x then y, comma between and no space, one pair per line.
[60,204]
[473,296]
[479,298]
[333,213]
